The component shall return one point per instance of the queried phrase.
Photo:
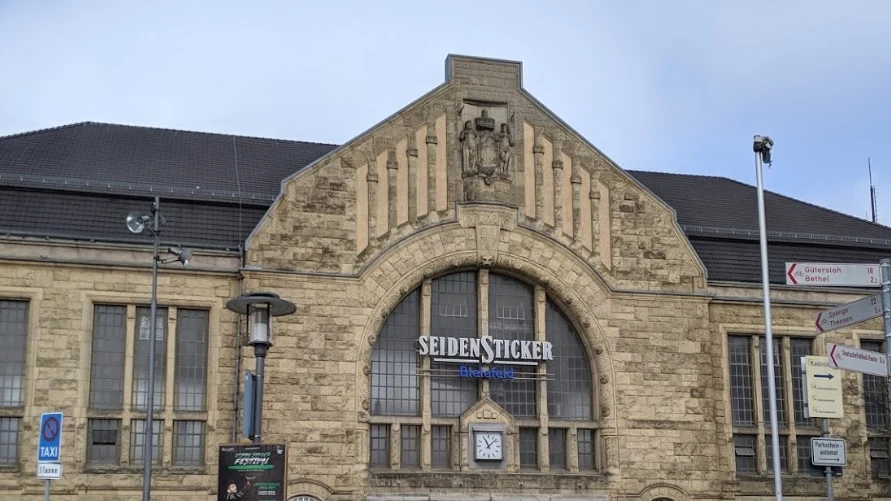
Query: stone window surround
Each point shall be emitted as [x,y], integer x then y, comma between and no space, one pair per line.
[543,423]
[872,433]
[791,433]
[34,299]
[164,412]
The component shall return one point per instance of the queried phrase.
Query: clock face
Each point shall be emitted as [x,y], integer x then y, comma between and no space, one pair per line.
[488,446]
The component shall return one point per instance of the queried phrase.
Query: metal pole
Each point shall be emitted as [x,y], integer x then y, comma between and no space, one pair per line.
[771,382]
[148,445]
[830,496]
[260,353]
[46,490]
[886,307]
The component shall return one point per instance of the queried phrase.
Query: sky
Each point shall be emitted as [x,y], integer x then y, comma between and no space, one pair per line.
[671,86]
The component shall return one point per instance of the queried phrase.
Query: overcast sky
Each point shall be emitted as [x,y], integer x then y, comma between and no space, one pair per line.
[672,86]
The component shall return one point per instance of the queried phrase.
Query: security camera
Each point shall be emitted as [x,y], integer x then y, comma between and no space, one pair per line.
[763,145]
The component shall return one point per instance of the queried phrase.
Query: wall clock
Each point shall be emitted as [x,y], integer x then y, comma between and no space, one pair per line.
[488,446]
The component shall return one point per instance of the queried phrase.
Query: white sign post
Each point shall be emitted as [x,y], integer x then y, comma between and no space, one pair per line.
[849,314]
[49,471]
[857,360]
[828,452]
[822,388]
[834,275]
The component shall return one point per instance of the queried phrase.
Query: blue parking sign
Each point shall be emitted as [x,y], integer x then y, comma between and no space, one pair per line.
[49,448]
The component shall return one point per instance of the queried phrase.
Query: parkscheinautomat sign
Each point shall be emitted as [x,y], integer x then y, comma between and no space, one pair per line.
[485,350]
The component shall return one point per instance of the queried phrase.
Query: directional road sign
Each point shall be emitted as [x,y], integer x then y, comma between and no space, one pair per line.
[828,452]
[849,314]
[834,275]
[50,438]
[853,359]
[823,388]
[49,471]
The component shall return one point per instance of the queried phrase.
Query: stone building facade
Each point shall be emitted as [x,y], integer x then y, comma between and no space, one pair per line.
[624,306]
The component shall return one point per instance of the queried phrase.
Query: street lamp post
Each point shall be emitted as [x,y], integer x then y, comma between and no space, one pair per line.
[136,223]
[260,308]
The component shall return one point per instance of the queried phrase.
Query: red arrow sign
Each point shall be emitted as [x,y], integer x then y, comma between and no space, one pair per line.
[792,280]
[849,314]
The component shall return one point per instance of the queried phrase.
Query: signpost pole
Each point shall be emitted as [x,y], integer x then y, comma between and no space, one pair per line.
[886,307]
[830,496]
[46,490]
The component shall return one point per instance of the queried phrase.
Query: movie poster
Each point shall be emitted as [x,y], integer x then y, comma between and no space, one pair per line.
[253,472]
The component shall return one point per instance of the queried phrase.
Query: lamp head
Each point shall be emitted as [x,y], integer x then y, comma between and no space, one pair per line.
[182,254]
[136,222]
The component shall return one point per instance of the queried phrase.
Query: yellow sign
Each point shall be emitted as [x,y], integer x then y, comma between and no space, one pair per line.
[823,388]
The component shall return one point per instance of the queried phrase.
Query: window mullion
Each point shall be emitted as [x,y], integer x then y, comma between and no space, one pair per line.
[129,354]
[483,324]
[424,377]
[169,391]
[791,441]
[541,335]
[755,355]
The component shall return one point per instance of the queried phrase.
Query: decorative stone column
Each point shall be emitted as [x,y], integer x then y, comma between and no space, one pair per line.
[576,181]
[392,167]
[558,187]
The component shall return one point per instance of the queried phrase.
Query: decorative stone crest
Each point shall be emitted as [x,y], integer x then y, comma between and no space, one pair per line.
[485,151]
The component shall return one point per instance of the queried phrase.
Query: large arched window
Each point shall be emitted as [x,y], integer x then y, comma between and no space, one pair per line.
[471,334]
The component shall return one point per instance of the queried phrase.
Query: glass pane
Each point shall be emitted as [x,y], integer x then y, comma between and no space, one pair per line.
[9,440]
[805,463]
[188,443]
[880,464]
[800,348]
[746,460]
[569,379]
[410,436]
[137,441]
[528,447]
[380,445]
[512,318]
[13,332]
[586,449]
[103,441]
[557,448]
[741,382]
[875,394]
[140,360]
[191,360]
[394,362]
[778,381]
[784,456]
[453,312]
[441,446]
[107,359]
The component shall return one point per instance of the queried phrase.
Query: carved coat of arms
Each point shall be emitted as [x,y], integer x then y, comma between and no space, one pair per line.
[486,152]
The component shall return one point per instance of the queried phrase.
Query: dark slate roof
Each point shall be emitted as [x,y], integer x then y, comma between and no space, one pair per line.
[100,217]
[79,181]
[127,160]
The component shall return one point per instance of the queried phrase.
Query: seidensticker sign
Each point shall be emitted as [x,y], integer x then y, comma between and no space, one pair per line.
[485,350]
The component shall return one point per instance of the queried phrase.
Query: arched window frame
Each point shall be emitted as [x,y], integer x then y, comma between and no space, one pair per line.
[414,442]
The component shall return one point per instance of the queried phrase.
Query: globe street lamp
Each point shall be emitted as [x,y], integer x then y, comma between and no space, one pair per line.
[260,308]
[136,223]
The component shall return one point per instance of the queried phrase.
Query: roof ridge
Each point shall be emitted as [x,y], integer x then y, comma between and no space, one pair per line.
[633,171]
[45,129]
[147,127]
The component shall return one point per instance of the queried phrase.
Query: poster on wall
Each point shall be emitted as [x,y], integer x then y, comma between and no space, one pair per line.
[254,472]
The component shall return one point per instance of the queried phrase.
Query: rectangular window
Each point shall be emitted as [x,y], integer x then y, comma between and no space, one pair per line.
[744,450]
[13,332]
[107,360]
[188,443]
[137,441]
[528,447]
[875,403]
[586,449]
[103,441]
[453,304]
[191,360]
[9,440]
[441,449]
[140,358]
[410,437]
[805,464]
[557,448]
[751,416]
[380,445]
